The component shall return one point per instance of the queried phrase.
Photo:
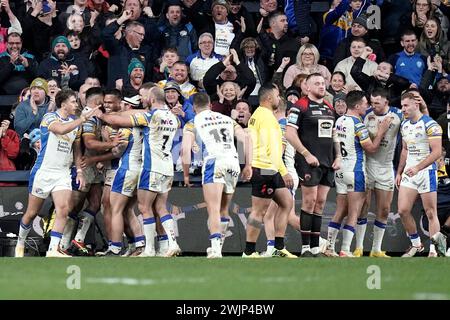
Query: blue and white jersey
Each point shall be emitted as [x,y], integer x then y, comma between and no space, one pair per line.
[416,135]
[112,164]
[351,132]
[132,156]
[385,153]
[215,132]
[56,150]
[159,128]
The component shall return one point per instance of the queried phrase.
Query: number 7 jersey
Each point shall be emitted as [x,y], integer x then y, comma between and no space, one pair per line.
[160,126]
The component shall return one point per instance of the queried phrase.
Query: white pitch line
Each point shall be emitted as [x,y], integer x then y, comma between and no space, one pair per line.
[143,282]
[430,296]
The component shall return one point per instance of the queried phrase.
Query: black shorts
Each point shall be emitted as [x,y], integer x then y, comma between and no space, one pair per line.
[313,176]
[264,183]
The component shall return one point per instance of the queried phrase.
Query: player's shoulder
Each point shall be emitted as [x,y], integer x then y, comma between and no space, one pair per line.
[428,121]
[301,105]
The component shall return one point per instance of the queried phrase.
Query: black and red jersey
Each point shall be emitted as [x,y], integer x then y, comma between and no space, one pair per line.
[314,123]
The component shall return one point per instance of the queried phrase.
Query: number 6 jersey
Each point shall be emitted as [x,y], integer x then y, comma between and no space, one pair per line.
[351,132]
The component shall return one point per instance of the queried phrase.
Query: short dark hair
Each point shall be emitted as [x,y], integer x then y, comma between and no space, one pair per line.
[358,39]
[265,90]
[380,92]
[201,100]
[14,34]
[274,15]
[408,33]
[63,96]
[341,74]
[94,91]
[246,102]
[113,92]
[353,98]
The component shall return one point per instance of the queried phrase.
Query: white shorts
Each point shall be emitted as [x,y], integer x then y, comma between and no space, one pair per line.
[424,181]
[350,181]
[109,176]
[44,182]
[154,181]
[225,171]
[294,176]
[381,178]
[125,182]
[92,176]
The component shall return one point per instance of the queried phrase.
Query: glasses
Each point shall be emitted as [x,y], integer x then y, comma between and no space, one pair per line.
[421,4]
[206,42]
[14,43]
[139,33]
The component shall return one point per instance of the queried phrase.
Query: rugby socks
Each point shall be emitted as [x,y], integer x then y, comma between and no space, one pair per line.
[224,222]
[347,237]
[315,232]
[116,247]
[167,223]
[333,230]
[306,220]
[279,243]
[215,239]
[270,246]
[415,239]
[150,234]
[24,230]
[163,244]
[68,230]
[378,233]
[88,218]
[55,239]
[139,241]
[250,247]
[361,226]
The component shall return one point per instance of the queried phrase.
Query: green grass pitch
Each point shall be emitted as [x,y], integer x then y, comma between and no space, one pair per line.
[228,278]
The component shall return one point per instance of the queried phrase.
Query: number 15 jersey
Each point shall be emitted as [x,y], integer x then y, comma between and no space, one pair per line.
[216,133]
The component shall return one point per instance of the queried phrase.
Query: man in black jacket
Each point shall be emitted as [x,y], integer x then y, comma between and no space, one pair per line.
[18,67]
[383,77]
[62,66]
[130,46]
[230,69]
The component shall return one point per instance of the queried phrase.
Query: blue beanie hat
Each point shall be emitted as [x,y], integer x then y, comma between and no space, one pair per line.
[135,63]
[61,39]
[34,135]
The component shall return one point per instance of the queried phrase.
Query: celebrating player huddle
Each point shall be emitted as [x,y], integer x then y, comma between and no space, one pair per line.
[355,153]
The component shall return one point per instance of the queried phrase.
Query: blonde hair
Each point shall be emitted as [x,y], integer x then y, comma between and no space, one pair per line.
[302,49]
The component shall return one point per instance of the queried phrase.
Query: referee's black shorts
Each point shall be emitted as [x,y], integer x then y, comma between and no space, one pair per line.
[265,182]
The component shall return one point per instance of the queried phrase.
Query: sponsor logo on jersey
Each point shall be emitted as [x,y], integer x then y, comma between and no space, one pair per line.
[167,122]
[326,125]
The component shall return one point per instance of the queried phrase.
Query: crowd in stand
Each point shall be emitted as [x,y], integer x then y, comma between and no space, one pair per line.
[218,47]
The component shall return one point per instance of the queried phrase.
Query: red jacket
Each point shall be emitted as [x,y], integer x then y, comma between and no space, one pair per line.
[9,149]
